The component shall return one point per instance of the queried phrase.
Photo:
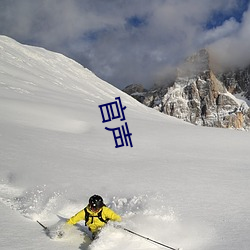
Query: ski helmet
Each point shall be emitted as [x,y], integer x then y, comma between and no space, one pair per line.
[95,202]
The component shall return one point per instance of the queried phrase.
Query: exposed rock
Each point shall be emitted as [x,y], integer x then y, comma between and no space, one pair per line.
[201,97]
[137,91]
[237,81]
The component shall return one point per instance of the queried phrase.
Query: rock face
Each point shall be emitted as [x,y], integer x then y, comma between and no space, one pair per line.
[237,81]
[137,91]
[201,97]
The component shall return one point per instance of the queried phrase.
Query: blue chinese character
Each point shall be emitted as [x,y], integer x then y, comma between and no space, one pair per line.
[109,109]
[118,137]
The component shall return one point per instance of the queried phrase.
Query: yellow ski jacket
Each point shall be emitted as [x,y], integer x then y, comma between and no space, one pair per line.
[94,223]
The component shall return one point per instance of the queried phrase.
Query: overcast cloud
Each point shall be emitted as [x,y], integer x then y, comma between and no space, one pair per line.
[131,41]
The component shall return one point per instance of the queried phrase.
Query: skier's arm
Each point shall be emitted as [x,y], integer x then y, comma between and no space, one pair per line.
[77,217]
[110,214]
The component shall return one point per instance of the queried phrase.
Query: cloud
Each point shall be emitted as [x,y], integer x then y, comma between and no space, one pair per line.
[228,28]
[121,41]
[233,49]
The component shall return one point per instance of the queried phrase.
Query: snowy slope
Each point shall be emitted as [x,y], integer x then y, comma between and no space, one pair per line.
[179,184]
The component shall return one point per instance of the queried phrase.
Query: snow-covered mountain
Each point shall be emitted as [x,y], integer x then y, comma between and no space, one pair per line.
[182,185]
[202,96]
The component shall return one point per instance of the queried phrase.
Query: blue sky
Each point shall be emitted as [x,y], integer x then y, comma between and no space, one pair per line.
[131,41]
[218,17]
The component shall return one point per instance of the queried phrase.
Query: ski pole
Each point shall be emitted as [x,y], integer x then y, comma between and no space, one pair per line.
[146,238]
[45,228]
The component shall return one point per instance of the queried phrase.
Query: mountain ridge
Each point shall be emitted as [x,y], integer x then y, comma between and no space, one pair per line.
[201,95]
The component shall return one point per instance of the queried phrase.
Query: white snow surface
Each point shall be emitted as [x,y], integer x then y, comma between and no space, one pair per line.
[182,185]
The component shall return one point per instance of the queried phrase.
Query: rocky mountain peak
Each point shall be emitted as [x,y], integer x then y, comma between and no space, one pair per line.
[200,96]
[196,64]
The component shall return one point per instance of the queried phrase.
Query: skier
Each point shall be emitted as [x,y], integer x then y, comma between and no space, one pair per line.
[95,214]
